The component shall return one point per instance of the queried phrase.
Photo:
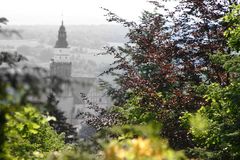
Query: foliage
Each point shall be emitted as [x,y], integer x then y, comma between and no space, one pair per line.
[7,32]
[29,135]
[132,112]
[140,142]
[169,53]
[141,149]
[100,118]
[70,154]
[215,126]
[233,31]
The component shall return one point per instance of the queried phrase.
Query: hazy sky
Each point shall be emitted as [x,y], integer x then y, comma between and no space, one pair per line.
[48,12]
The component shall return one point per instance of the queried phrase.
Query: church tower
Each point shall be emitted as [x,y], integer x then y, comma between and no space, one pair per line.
[61,64]
[62,38]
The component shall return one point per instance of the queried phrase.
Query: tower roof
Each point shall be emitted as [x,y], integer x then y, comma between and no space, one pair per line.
[62,37]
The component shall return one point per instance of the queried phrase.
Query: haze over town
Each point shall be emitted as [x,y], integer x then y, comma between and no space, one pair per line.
[75,12]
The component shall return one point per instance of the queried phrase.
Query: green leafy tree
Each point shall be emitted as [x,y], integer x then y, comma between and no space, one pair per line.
[29,135]
[215,126]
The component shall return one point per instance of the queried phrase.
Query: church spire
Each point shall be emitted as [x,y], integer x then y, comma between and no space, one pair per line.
[62,37]
[62,18]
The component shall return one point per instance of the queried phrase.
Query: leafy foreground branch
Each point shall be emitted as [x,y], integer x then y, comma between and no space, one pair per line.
[29,135]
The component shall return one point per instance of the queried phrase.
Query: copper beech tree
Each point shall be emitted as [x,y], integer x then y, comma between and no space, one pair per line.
[166,56]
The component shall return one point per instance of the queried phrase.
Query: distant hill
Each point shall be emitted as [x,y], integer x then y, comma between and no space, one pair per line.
[83,36]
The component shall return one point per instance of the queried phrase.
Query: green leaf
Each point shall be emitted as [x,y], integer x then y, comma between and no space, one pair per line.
[33,131]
